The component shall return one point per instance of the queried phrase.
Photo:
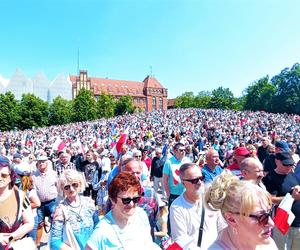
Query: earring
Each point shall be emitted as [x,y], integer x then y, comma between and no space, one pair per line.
[234,230]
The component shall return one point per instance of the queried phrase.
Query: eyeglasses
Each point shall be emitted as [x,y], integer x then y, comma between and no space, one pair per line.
[196,180]
[289,166]
[68,187]
[138,156]
[4,176]
[261,219]
[127,200]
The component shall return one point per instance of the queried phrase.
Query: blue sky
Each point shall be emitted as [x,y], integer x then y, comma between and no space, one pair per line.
[191,45]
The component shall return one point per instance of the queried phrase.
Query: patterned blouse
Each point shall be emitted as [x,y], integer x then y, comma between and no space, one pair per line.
[82,219]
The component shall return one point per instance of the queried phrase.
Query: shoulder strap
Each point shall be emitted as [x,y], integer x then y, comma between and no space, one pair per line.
[201,225]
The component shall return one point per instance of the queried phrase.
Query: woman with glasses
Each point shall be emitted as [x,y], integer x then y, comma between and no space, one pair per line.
[137,154]
[126,226]
[247,210]
[16,217]
[76,210]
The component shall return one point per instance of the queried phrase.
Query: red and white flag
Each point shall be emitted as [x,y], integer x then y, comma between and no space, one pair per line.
[116,150]
[58,145]
[284,216]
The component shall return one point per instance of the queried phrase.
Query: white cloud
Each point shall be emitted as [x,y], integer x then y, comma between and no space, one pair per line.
[4,81]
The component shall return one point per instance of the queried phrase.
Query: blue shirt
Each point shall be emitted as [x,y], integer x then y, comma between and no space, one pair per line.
[209,175]
[171,168]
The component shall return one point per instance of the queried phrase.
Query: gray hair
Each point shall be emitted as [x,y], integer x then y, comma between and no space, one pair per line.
[184,167]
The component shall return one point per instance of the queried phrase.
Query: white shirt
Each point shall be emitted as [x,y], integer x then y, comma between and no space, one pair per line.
[185,223]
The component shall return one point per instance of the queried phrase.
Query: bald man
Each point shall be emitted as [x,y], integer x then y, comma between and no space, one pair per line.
[252,169]
[212,168]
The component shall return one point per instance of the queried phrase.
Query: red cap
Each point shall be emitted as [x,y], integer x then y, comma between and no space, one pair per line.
[241,151]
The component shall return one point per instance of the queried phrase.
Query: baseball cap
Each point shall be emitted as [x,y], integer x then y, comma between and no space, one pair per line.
[241,151]
[4,161]
[22,169]
[42,158]
[282,145]
[285,158]
[17,155]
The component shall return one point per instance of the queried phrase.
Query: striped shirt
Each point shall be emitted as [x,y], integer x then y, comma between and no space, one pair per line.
[45,184]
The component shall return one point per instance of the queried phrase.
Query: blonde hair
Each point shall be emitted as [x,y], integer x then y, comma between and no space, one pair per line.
[70,176]
[229,194]
[27,183]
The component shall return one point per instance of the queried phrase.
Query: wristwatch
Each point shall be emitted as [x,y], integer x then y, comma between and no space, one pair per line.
[10,238]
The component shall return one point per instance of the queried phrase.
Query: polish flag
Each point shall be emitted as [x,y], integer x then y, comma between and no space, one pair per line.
[284,216]
[58,145]
[117,148]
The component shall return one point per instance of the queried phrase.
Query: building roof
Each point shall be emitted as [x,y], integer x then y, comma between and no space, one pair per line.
[151,82]
[120,87]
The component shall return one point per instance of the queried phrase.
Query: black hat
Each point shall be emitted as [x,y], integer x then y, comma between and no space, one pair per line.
[285,158]
[146,148]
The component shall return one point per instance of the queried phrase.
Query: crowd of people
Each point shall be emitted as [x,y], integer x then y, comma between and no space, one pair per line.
[200,179]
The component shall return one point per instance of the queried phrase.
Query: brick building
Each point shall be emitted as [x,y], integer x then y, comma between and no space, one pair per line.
[148,95]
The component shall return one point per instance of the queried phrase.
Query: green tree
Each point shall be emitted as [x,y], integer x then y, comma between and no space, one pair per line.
[259,95]
[287,96]
[84,106]
[222,98]
[106,105]
[8,111]
[33,111]
[186,100]
[124,105]
[60,111]
[203,99]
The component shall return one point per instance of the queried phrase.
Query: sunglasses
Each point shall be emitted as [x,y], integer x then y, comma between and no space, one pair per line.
[68,187]
[181,150]
[127,200]
[4,176]
[196,180]
[262,219]
[138,156]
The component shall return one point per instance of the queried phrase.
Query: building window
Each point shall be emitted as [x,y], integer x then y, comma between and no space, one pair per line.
[161,103]
[153,103]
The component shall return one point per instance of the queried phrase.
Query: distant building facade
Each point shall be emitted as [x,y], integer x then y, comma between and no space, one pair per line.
[39,85]
[147,95]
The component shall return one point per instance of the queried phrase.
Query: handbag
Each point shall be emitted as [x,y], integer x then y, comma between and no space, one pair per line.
[68,234]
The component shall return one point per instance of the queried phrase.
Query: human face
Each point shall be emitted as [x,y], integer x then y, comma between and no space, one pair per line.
[134,168]
[71,189]
[179,153]
[125,210]
[4,176]
[212,158]
[193,188]
[42,165]
[265,142]
[89,157]
[282,169]
[138,156]
[64,158]
[254,172]
[261,227]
